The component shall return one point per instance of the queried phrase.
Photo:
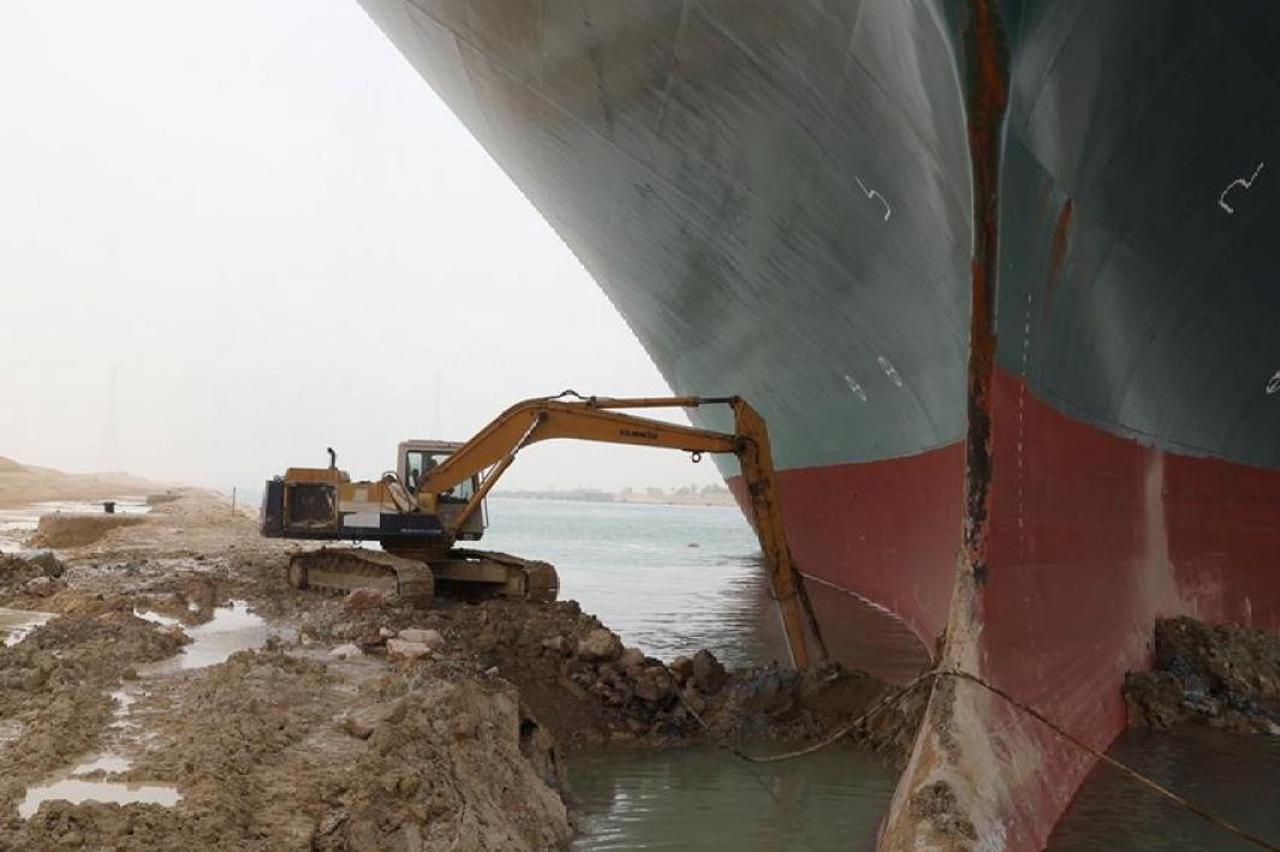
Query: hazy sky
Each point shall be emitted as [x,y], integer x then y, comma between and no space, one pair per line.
[278,238]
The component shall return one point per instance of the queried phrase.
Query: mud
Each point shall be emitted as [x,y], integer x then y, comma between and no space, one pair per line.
[54,689]
[67,530]
[324,740]
[1225,677]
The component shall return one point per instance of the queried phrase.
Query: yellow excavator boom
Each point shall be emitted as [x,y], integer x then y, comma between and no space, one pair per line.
[494,448]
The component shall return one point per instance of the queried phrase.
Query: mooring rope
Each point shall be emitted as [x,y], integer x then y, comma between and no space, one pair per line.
[895,697]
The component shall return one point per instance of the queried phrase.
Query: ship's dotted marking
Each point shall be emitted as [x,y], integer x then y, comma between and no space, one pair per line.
[1022,422]
[855,387]
[873,193]
[1273,384]
[890,370]
[1243,183]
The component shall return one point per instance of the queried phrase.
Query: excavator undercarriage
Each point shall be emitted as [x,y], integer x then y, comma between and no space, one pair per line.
[415,578]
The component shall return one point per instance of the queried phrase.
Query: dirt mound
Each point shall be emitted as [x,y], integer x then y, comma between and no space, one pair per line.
[65,530]
[17,572]
[1224,677]
[8,465]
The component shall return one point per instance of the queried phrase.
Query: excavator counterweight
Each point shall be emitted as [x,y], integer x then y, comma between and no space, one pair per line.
[435,498]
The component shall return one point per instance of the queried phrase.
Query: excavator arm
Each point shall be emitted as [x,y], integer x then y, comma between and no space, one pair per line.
[494,448]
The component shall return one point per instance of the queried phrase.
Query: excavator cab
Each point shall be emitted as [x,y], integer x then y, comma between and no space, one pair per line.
[416,459]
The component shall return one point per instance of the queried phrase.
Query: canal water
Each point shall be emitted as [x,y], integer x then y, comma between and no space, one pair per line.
[1234,776]
[672,579]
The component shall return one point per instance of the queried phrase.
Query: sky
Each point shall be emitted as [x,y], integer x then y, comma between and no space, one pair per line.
[258,224]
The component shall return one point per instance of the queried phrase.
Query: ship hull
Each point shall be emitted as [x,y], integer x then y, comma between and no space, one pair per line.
[999,275]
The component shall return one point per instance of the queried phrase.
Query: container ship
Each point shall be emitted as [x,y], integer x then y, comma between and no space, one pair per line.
[999,273]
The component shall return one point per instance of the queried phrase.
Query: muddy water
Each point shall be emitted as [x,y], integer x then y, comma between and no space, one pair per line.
[672,579]
[708,799]
[15,624]
[74,789]
[232,628]
[1233,775]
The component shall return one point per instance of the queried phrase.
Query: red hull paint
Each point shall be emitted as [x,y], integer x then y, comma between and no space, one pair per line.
[1092,536]
[886,530]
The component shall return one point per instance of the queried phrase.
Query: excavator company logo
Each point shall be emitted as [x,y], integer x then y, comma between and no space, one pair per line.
[647,434]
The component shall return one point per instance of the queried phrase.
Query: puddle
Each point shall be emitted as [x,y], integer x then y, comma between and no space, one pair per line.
[16,624]
[232,628]
[125,700]
[18,523]
[75,791]
[156,618]
[107,763]
[72,787]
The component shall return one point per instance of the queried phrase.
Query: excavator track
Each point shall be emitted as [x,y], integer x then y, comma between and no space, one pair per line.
[484,573]
[535,581]
[339,570]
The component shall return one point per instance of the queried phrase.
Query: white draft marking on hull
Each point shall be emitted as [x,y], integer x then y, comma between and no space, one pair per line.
[889,370]
[1243,183]
[1273,385]
[855,387]
[873,193]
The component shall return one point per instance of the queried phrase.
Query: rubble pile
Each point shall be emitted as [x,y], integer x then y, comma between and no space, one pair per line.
[1225,677]
[30,575]
[589,688]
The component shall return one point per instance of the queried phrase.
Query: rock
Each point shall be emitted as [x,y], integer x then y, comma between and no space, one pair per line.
[486,640]
[554,643]
[386,633]
[401,649]
[695,701]
[364,598]
[654,686]
[362,722]
[707,672]
[431,638]
[47,562]
[630,657]
[599,644]
[41,587]
[346,652]
[681,668]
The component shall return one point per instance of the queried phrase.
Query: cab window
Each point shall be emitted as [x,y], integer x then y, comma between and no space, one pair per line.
[421,462]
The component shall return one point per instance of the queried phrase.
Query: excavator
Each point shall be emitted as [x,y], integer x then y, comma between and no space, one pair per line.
[436,498]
